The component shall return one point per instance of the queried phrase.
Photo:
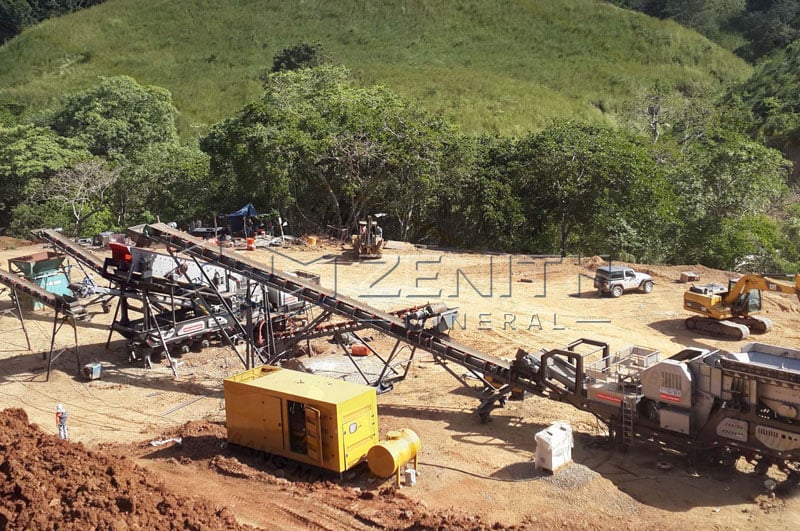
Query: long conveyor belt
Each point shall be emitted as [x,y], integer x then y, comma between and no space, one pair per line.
[61,242]
[99,265]
[329,300]
[335,328]
[360,315]
[53,300]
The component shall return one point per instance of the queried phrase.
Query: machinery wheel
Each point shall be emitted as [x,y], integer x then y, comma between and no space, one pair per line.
[690,324]
[616,292]
[647,287]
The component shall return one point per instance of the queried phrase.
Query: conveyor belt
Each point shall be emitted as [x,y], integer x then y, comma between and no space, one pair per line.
[54,300]
[168,288]
[768,374]
[71,248]
[335,328]
[384,322]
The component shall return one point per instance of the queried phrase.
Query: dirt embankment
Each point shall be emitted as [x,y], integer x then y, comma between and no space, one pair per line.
[53,484]
[48,483]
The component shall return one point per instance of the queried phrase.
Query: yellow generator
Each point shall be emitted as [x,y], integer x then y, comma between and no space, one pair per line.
[316,420]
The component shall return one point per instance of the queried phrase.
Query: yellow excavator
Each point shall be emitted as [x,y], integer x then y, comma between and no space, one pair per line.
[730,312]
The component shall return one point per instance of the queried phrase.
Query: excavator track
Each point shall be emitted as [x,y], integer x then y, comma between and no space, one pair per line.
[755,323]
[713,327]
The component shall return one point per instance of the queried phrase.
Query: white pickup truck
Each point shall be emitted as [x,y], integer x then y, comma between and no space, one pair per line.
[618,279]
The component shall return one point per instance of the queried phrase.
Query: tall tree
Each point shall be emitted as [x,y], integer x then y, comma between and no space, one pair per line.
[118,118]
[327,151]
[82,190]
[591,189]
[30,153]
[476,206]
[166,182]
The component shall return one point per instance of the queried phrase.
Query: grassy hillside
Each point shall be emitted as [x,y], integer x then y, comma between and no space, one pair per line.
[505,66]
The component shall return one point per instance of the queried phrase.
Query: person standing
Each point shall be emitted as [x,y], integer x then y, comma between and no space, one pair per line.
[61,422]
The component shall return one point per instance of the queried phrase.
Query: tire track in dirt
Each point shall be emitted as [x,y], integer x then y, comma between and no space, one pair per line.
[312,520]
[258,504]
[321,511]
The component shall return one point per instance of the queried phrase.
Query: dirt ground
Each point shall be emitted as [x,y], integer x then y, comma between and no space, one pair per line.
[472,475]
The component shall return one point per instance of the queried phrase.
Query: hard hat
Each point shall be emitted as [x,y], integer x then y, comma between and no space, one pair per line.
[59,408]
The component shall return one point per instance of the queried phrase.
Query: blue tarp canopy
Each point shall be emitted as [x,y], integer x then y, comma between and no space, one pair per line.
[236,219]
[247,210]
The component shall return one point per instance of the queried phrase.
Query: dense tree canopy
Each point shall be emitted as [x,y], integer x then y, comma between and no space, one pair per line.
[320,149]
[166,182]
[16,15]
[729,185]
[764,25]
[118,117]
[687,184]
[47,176]
[773,98]
[591,189]
[30,153]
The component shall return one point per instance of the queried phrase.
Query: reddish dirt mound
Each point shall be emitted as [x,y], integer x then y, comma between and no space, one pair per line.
[48,483]
[593,262]
[7,242]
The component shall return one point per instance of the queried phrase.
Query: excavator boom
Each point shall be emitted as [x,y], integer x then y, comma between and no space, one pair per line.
[732,312]
[762,283]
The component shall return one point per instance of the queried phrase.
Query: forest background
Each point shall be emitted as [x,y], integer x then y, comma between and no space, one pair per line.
[648,131]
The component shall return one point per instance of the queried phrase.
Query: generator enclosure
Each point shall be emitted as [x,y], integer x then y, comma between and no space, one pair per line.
[312,419]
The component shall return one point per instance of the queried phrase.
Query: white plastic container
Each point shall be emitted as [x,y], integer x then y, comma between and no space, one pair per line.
[554,447]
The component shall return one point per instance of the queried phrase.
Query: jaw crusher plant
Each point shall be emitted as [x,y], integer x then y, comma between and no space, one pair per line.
[709,403]
[701,402]
[736,404]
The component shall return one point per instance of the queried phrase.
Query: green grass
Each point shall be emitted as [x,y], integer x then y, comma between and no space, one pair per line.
[492,66]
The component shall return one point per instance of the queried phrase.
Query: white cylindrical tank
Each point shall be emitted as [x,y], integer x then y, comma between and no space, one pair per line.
[554,447]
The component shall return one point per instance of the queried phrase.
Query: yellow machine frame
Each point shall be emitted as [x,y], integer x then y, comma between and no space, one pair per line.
[316,420]
[742,299]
